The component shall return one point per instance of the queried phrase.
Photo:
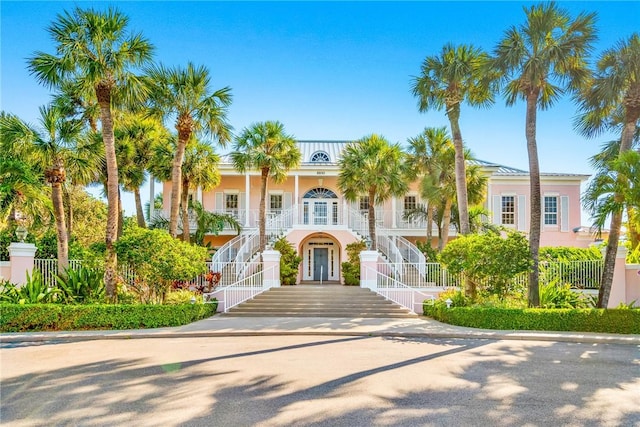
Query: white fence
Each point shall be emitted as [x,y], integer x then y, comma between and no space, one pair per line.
[396,291]
[245,289]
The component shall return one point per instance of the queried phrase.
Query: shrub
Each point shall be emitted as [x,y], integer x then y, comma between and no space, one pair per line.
[182,296]
[83,285]
[33,291]
[51,317]
[539,319]
[289,262]
[555,295]
[158,260]
[489,261]
[351,268]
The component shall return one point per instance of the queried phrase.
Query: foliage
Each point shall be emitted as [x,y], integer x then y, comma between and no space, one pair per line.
[33,291]
[351,268]
[58,317]
[556,295]
[289,261]
[158,260]
[566,253]
[429,252]
[182,296]
[539,319]
[489,261]
[84,285]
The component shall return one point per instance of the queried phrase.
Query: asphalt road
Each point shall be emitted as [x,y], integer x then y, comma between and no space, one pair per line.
[319,381]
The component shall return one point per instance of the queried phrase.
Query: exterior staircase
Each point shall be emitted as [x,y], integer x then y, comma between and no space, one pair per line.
[320,301]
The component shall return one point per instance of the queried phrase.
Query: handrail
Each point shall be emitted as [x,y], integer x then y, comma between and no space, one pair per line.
[394,290]
[242,290]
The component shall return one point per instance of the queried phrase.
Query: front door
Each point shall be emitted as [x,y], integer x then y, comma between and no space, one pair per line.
[320,264]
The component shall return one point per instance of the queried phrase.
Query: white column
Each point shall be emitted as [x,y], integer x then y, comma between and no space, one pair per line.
[271,266]
[394,222]
[247,189]
[296,199]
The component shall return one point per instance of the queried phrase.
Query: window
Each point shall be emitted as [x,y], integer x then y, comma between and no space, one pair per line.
[364,203]
[320,157]
[231,201]
[275,202]
[550,210]
[320,193]
[508,210]
[410,203]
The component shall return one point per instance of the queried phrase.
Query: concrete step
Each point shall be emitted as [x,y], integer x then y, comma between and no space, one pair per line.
[320,301]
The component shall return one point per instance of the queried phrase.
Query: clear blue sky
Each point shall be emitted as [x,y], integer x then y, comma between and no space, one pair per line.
[328,70]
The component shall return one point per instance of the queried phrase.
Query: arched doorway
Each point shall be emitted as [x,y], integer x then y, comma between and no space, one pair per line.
[320,207]
[320,258]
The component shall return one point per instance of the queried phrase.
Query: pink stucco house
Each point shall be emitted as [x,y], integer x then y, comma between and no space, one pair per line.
[310,211]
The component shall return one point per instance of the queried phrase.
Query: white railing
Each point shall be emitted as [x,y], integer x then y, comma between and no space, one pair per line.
[242,290]
[49,268]
[228,252]
[411,254]
[357,222]
[396,291]
[579,274]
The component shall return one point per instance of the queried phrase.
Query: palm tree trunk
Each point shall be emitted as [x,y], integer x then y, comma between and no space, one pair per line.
[429,224]
[184,206]
[616,222]
[460,170]
[139,211]
[184,133]
[68,211]
[103,93]
[262,221]
[535,195]
[446,222]
[372,219]
[120,215]
[61,227]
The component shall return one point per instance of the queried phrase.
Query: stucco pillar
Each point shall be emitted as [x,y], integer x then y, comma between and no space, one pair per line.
[632,280]
[618,286]
[21,256]
[271,268]
[368,269]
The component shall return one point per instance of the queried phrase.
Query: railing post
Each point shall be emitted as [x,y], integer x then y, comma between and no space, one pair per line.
[368,269]
[271,268]
[21,256]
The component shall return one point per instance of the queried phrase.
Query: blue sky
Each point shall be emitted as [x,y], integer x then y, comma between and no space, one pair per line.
[328,70]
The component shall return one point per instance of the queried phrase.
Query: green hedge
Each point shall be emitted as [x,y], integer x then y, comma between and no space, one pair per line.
[618,321]
[58,317]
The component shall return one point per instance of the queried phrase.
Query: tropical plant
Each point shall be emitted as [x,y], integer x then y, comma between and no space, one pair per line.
[556,295]
[82,285]
[372,167]
[351,268]
[185,93]
[610,102]
[94,51]
[489,261]
[538,62]
[289,261]
[265,147]
[51,145]
[32,291]
[455,76]
[158,260]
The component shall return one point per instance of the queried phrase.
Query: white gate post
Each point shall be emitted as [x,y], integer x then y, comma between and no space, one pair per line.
[368,269]
[271,268]
[21,256]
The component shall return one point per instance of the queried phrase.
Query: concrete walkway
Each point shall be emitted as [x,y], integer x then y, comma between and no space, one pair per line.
[226,326]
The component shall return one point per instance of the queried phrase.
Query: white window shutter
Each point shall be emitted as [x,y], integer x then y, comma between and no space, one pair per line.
[286,200]
[497,210]
[522,213]
[241,201]
[564,213]
[219,206]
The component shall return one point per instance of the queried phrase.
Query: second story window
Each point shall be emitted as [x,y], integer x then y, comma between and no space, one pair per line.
[231,202]
[410,203]
[275,202]
[320,157]
[508,210]
[550,210]
[364,203]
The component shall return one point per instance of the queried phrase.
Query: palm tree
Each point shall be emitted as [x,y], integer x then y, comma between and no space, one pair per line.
[265,147]
[539,61]
[94,50]
[137,136]
[50,146]
[455,76]
[186,94]
[611,101]
[372,167]
[431,157]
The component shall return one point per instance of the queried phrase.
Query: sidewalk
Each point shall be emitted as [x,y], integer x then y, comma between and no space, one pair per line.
[228,326]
